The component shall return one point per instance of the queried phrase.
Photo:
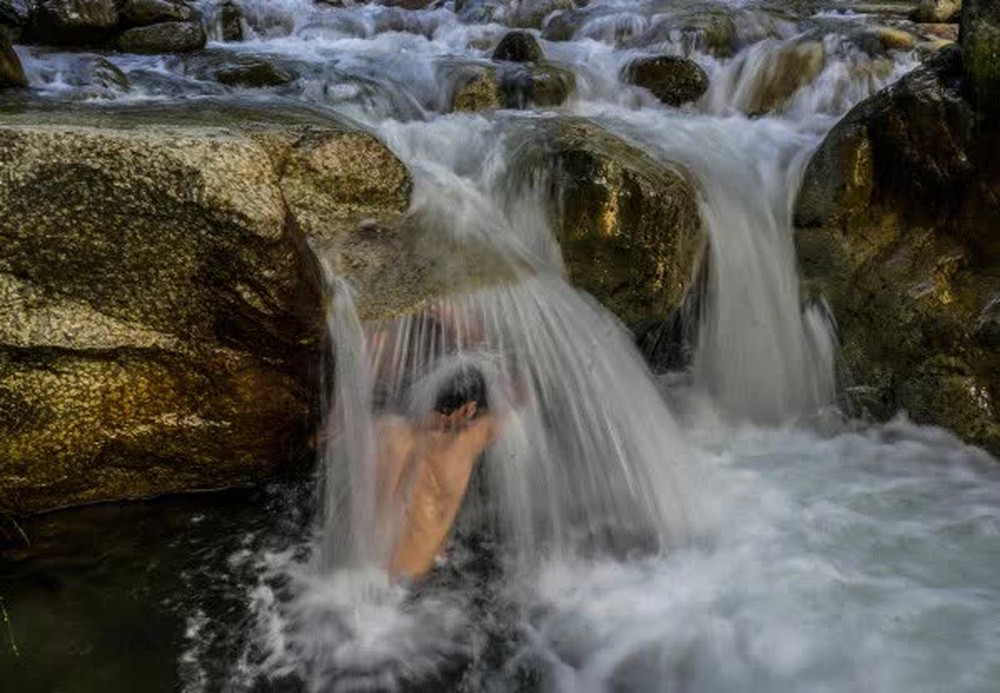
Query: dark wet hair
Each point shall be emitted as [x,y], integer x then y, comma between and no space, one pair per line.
[466,384]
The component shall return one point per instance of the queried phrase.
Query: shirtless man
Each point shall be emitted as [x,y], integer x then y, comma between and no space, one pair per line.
[424,469]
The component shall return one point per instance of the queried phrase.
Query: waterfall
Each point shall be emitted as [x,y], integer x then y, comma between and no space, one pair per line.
[589,458]
[760,354]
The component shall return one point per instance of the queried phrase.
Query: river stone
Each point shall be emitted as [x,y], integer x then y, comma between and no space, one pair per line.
[980,40]
[792,68]
[672,80]
[542,86]
[165,37]
[59,22]
[563,25]
[944,32]
[896,222]
[11,71]
[144,12]
[628,226]
[477,90]
[936,11]
[160,315]
[531,14]
[231,22]
[106,75]
[518,47]
[253,73]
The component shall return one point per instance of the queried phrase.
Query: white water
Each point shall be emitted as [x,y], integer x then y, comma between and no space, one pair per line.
[846,559]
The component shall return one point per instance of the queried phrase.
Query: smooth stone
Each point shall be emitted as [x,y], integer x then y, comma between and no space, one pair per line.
[254,73]
[145,12]
[674,81]
[518,47]
[165,37]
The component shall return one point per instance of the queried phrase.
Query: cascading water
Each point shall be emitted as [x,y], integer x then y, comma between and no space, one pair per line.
[844,559]
[589,451]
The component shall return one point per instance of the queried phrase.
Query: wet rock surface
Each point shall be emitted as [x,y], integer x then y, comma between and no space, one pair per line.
[519,47]
[520,87]
[11,71]
[145,12]
[231,22]
[627,225]
[164,37]
[897,217]
[160,312]
[674,81]
[73,21]
[253,73]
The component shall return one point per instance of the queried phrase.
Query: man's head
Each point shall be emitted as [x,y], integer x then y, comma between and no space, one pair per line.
[464,386]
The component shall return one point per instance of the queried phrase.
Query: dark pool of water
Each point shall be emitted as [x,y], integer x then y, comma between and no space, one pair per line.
[100,600]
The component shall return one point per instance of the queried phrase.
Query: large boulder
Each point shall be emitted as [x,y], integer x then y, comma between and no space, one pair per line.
[160,312]
[980,39]
[59,22]
[673,80]
[627,225]
[164,37]
[897,219]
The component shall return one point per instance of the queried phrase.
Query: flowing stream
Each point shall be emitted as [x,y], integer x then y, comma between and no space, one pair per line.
[723,528]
